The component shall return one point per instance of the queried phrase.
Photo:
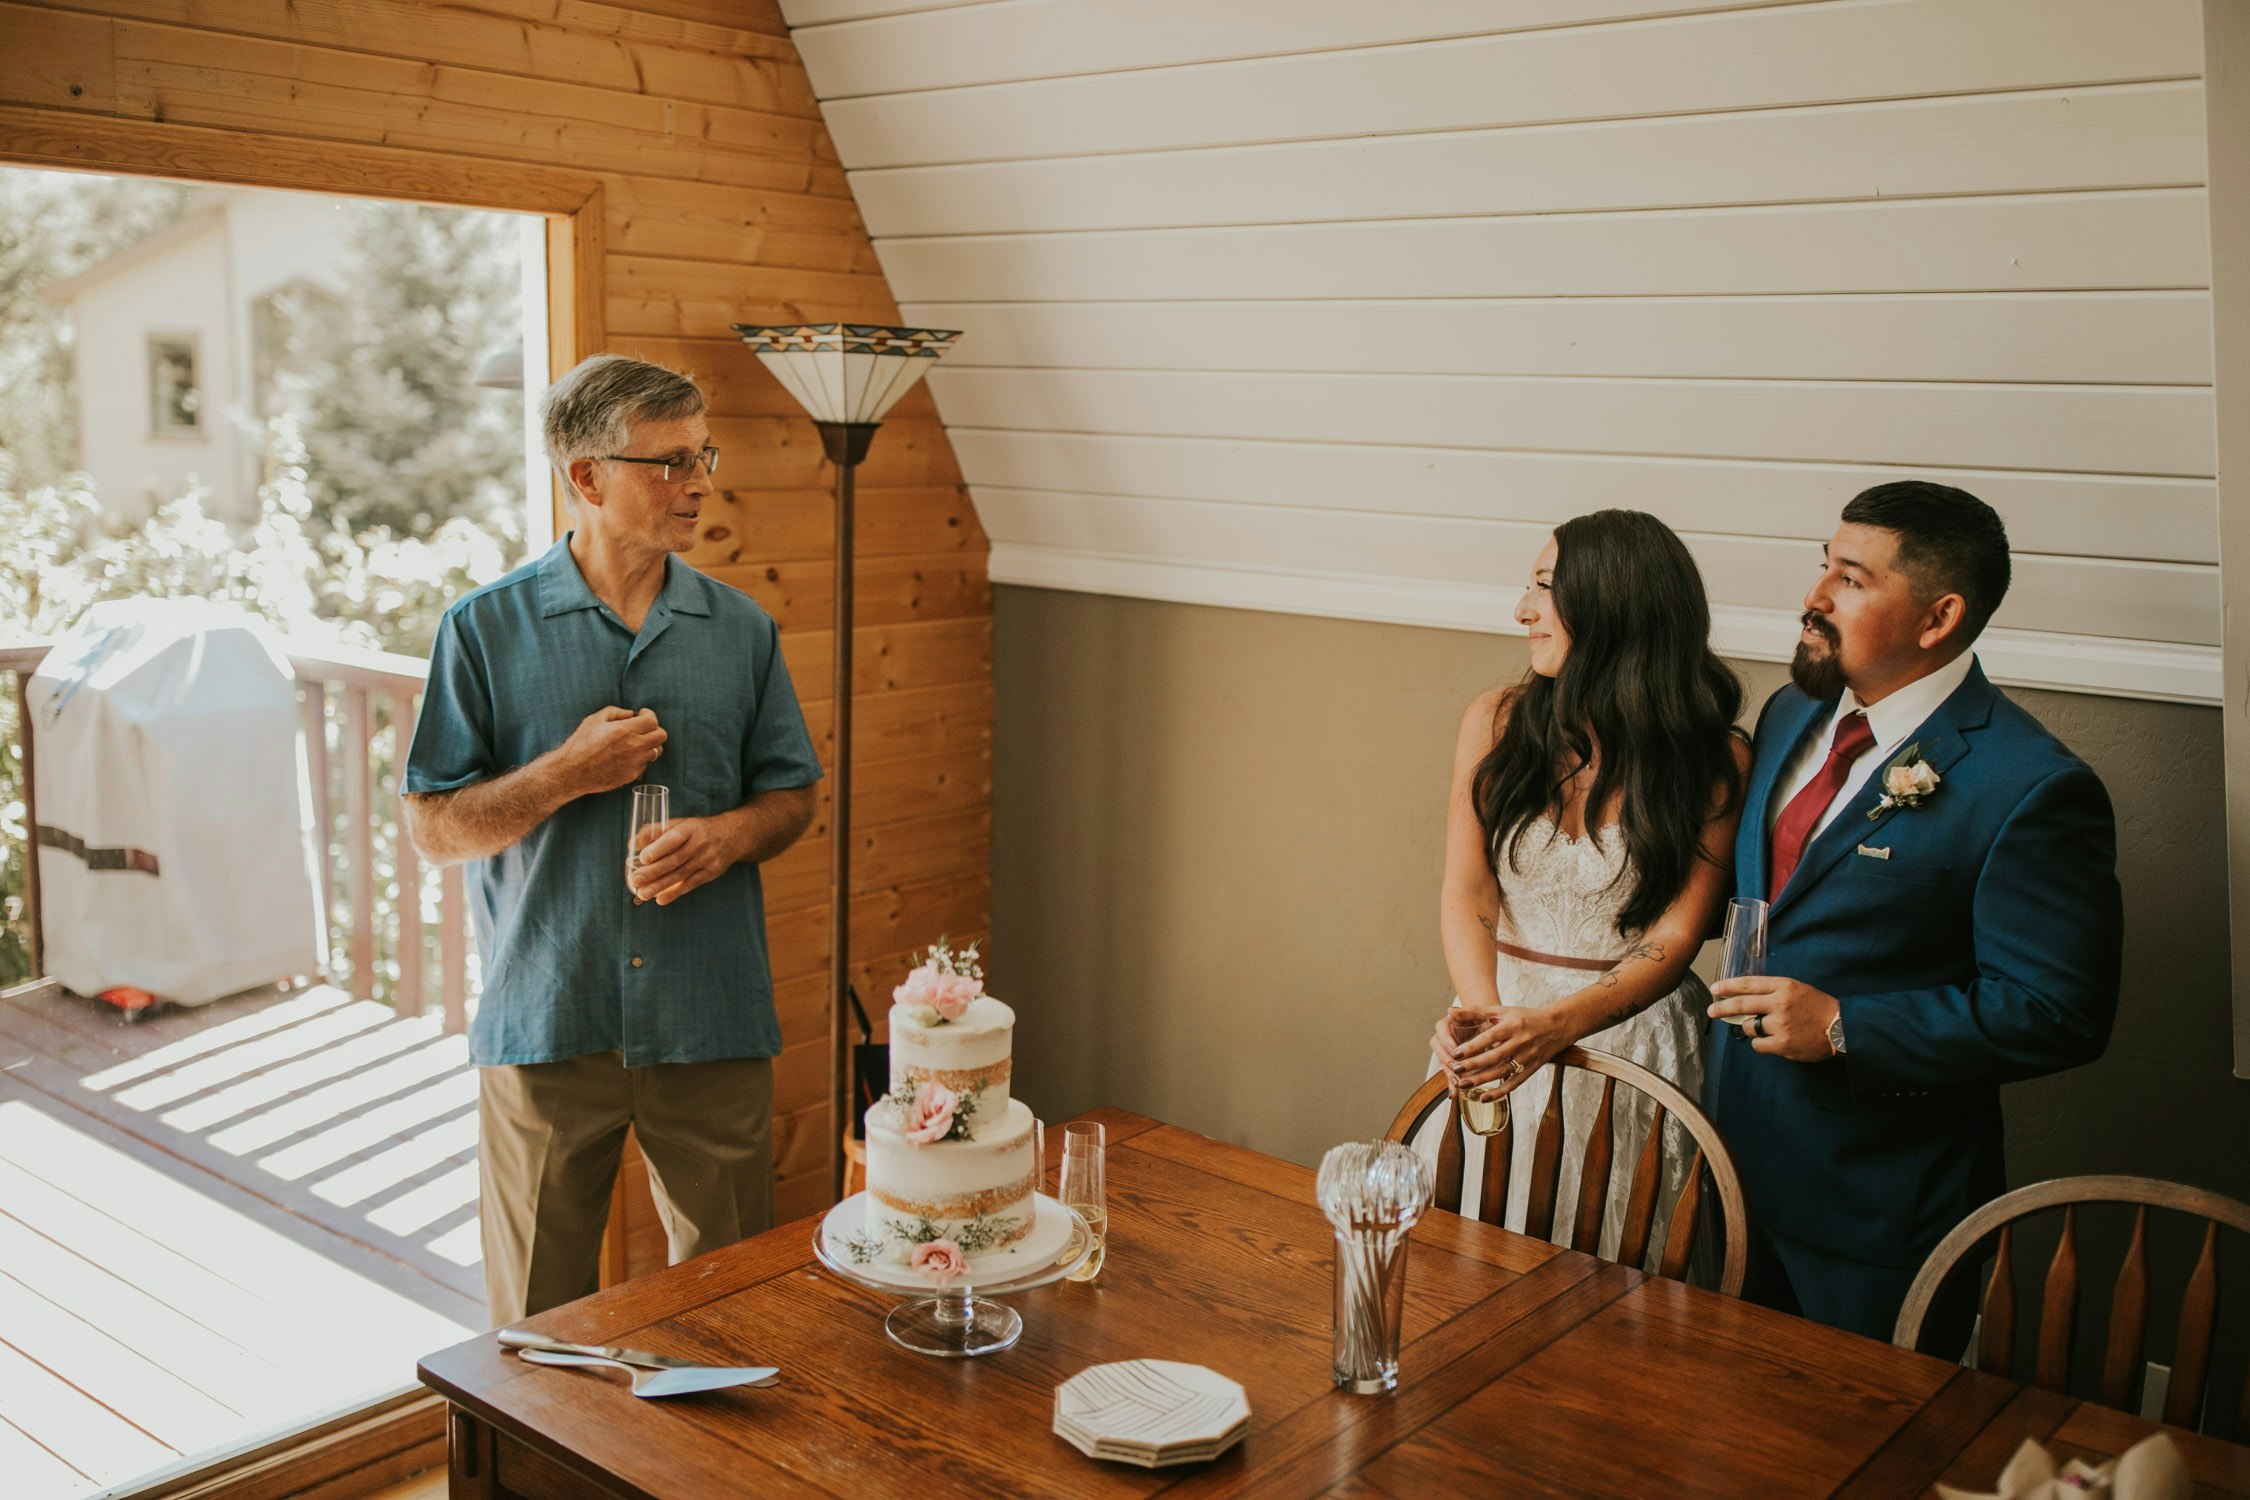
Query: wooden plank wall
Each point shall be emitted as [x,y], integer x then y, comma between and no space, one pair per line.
[722,202]
[1337,308]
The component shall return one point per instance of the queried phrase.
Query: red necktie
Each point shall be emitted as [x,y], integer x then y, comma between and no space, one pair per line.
[1795,827]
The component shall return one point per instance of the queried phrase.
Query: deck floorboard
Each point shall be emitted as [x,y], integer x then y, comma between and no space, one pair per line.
[185,1201]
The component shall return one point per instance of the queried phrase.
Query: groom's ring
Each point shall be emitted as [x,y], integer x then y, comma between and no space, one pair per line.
[1757,1025]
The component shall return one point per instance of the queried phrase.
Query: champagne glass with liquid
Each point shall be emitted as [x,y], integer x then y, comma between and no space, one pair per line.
[1484,1108]
[1082,1189]
[652,810]
[1742,947]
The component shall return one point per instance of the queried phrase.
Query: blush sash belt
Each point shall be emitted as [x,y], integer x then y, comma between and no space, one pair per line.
[1556,961]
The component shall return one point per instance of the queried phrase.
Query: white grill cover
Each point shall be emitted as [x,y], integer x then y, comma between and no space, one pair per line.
[176,850]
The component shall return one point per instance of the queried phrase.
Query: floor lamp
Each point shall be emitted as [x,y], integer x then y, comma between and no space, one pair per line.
[846,376]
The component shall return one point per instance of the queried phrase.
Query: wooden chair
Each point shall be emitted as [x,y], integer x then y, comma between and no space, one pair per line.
[1595,1168]
[2124,1354]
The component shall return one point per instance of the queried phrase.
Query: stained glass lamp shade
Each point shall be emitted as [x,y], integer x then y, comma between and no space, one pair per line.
[847,372]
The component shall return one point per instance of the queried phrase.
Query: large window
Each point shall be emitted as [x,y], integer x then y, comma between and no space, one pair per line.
[284,400]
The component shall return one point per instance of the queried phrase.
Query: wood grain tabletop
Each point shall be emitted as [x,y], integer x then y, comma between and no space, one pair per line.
[1525,1370]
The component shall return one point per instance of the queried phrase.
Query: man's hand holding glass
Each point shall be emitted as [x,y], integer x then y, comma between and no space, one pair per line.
[690,852]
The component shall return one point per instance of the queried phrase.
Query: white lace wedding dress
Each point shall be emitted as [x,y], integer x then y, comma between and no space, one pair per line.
[1565,902]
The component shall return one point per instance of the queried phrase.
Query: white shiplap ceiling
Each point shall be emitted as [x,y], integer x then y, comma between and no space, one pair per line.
[1334,307]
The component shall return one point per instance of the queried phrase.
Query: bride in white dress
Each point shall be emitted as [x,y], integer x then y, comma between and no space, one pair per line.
[1588,844]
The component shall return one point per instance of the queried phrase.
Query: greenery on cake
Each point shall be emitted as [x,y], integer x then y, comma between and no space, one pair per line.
[896,1243]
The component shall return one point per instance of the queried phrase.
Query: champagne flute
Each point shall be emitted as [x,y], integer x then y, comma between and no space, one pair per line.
[1742,947]
[652,810]
[1484,1108]
[1082,1189]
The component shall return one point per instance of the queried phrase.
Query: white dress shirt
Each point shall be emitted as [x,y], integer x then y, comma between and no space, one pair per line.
[1894,721]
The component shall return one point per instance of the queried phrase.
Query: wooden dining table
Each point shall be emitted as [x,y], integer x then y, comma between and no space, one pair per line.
[1525,1369]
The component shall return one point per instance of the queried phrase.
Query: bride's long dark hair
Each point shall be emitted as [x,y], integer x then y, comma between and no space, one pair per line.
[1642,685]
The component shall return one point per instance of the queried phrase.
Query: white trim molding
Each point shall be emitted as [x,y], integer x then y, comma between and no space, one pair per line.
[2109,666]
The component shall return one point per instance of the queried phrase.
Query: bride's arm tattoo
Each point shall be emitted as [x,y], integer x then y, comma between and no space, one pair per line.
[1654,953]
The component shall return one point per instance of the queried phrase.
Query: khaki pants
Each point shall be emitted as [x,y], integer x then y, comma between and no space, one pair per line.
[550,1137]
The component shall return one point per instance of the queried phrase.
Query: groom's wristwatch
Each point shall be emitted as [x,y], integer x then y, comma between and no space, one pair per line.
[1836,1034]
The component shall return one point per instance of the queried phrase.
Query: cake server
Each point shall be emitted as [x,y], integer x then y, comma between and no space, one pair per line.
[680,1380]
[518,1338]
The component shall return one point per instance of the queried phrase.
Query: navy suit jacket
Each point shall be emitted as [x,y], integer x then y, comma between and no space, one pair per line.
[1984,948]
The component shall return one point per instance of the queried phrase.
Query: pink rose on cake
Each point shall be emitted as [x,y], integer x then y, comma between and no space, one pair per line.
[953,994]
[919,994]
[941,987]
[929,1115]
[940,1260]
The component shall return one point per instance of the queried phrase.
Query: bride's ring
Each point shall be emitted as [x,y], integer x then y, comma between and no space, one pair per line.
[1515,1067]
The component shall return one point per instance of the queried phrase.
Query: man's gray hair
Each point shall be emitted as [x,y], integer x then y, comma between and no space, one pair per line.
[590,412]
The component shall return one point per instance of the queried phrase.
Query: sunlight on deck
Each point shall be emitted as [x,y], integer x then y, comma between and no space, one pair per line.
[220,1222]
[316,1076]
[215,1038]
[127,1291]
[370,1127]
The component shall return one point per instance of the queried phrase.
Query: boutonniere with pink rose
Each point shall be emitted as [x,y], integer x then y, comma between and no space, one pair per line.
[1907,781]
[942,985]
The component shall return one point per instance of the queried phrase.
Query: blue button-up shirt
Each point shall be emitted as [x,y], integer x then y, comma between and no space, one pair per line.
[571,964]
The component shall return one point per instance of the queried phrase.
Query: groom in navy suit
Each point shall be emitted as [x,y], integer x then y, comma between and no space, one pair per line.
[1944,919]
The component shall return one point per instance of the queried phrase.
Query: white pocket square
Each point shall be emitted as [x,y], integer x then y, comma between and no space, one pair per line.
[1874,853]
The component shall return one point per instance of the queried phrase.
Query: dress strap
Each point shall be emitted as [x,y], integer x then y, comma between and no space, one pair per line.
[1557,961]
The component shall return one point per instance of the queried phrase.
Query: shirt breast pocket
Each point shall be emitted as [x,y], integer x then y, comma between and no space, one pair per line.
[704,726]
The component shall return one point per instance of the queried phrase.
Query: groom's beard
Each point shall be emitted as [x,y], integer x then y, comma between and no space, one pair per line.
[1820,678]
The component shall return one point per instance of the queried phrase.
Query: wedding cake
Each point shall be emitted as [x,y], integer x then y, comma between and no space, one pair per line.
[951,1157]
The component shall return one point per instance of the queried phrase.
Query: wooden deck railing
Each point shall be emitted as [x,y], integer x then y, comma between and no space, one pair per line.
[349,699]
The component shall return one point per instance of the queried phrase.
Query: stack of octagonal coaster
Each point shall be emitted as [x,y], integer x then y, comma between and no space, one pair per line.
[1151,1412]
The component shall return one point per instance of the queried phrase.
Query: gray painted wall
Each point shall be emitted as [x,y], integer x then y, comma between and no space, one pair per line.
[1216,846]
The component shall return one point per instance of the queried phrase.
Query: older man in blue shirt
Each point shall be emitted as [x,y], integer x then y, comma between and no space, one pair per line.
[609,662]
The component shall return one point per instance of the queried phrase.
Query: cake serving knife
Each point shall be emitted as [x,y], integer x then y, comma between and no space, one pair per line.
[521,1339]
[672,1380]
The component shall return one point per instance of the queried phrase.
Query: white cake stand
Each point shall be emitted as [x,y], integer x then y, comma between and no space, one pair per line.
[957,1322]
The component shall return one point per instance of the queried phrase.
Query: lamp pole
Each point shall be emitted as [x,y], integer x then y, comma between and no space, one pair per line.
[846,444]
[846,376]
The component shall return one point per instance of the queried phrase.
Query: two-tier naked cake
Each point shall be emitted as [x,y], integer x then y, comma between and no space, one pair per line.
[950,1153]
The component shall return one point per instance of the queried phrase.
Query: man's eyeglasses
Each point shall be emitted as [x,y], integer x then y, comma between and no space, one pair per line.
[678,468]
